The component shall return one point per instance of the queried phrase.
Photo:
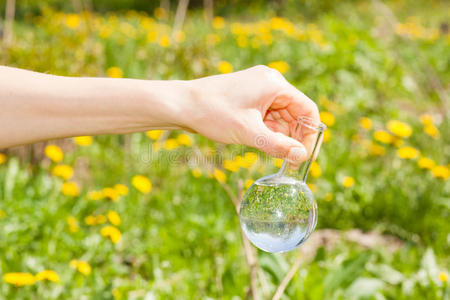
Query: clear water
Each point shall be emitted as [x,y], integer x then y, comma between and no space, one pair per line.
[278,213]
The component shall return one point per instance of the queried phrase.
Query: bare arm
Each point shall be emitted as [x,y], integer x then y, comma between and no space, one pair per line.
[241,108]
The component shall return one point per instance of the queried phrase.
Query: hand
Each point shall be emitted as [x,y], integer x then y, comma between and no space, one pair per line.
[255,107]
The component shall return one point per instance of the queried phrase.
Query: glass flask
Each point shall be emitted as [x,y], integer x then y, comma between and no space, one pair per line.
[278,212]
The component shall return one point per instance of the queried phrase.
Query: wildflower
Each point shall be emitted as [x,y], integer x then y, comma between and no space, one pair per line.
[47,275]
[400,129]
[196,172]
[154,134]
[114,218]
[212,39]
[376,150]
[426,163]
[278,162]
[171,144]
[249,160]
[72,21]
[230,165]
[73,263]
[112,233]
[142,184]
[90,220]
[312,187]
[19,278]
[70,189]
[83,140]
[382,137]
[179,36]
[242,41]
[440,172]
[426,119]
[114,72]
[95,195]
[2,158]
[100,219]
[220,175]
[83,267]
[63,171]
[184,139]
[121,189]
[315,169]
[54,153]
[326,136]
[365,123]
[73,224]
[443,276]
[248,183]
[348,182]
[164,41]
[327,118]
[160,13]
[280,66]
[2,214]
[407,152]
[111,194]
[225,67]
[431,130]
[218,22]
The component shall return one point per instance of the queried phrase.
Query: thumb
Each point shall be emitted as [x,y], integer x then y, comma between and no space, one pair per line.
[279,145]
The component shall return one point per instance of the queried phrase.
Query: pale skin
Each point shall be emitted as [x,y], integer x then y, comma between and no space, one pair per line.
[253,107]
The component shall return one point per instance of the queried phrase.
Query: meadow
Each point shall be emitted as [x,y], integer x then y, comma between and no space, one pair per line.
[152,215]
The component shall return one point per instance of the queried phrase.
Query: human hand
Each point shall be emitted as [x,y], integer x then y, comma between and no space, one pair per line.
[256,107]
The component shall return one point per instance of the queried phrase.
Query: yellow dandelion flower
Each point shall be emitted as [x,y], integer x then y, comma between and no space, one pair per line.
[73,263]
[154,134]
[121,189]
[95,195]
[442,172]
[164,41]
[230,165]
[142,184]
[220,175]
[72,21]
[112,233]
[160,13]
[54,153]
[2,158]
[110,193]
[431,130]
[242,41]
[171,144]
[426,119]
[382,137]
[327,118]
[100,219]
[225,67]
[114,218]
[280,66]
[73,224]
[83,267]
[2,214]
[326,136]
[70,189]
[196,172]
[248,183]
[218,22]
[407,152]
[49,275]
[248,160]
[83,140]
[348,181]
[90,220]
[312,187]
[426,163]
[400,129]
[365,123]
[278,162]
[116,294]
[63,171]
[184,139]
[114,72]
[19,278]
[377,150]
[443,276]
[315,170]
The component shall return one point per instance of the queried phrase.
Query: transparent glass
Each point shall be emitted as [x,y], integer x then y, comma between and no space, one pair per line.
[278,212]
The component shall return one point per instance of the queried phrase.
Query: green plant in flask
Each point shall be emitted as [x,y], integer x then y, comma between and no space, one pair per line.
[278,212]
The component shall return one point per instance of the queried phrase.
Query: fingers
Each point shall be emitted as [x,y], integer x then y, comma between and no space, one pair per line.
[277,144]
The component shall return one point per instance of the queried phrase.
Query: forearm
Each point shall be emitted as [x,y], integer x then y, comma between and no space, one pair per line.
[37,107]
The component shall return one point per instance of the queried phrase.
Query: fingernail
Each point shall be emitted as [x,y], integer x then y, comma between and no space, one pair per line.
[296,154]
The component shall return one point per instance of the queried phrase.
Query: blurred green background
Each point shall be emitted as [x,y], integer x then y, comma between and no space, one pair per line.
[151,215]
